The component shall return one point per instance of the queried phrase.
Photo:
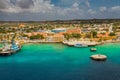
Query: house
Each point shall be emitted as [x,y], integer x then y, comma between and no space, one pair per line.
[73,30]
[103,34]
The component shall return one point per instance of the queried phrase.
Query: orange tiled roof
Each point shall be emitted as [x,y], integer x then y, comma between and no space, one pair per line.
[103,35]
[77,30]
[21,25]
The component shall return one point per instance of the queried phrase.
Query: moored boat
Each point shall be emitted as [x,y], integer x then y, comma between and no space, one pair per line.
[93,49]
[5,53]
[10,49]
[5,50]
[98,57]
[80,45]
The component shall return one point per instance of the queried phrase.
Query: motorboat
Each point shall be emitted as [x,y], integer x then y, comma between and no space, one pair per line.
[93,49]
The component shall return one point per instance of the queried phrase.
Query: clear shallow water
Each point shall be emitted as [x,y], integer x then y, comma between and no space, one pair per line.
[59,62]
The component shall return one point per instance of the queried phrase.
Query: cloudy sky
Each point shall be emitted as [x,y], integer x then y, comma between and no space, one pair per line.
[35,10]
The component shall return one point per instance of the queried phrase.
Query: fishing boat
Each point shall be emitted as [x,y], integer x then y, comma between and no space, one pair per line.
[93,49]
[80,45]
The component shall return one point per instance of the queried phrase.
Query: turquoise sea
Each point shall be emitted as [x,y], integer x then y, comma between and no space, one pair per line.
[59,62]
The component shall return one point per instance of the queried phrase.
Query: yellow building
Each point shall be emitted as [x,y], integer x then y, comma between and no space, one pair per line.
[55,38]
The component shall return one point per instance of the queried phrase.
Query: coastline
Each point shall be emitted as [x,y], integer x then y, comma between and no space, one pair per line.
[52,42]
[38,41]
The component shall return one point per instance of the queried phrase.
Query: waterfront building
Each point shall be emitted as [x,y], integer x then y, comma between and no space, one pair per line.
[55,38]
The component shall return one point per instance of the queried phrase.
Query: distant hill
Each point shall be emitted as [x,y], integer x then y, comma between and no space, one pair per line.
[75,21]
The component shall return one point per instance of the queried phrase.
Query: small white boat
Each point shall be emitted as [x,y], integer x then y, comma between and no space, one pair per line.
[98,57]
[80,45]
[93,49]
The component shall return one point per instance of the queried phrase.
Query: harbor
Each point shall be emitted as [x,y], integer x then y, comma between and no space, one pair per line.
[59,39]
[57,60]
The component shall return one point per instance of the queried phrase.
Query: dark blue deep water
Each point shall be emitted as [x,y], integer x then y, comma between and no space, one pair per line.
[59,62]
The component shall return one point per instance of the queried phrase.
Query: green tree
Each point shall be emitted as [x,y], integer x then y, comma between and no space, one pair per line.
[87,35]
[76,35]
[94,34]
[38,36]
[24,35]
[112,34]
[73,35]
[67,36]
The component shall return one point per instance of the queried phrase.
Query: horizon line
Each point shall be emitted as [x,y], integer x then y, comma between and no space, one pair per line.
[58,20]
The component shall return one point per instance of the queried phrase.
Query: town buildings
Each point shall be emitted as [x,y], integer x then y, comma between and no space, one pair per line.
[55,32]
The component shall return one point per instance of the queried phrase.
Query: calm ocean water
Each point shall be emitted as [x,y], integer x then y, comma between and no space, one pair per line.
[59,62]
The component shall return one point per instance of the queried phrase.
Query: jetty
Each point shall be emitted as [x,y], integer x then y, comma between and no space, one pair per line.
[72,43]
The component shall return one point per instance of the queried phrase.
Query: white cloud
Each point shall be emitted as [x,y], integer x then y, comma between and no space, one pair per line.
[115,8]
[102,9]
[7,6]
[75,4]
[39,6]
[44,9]
[42,6]
[91,11]
[87,3]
